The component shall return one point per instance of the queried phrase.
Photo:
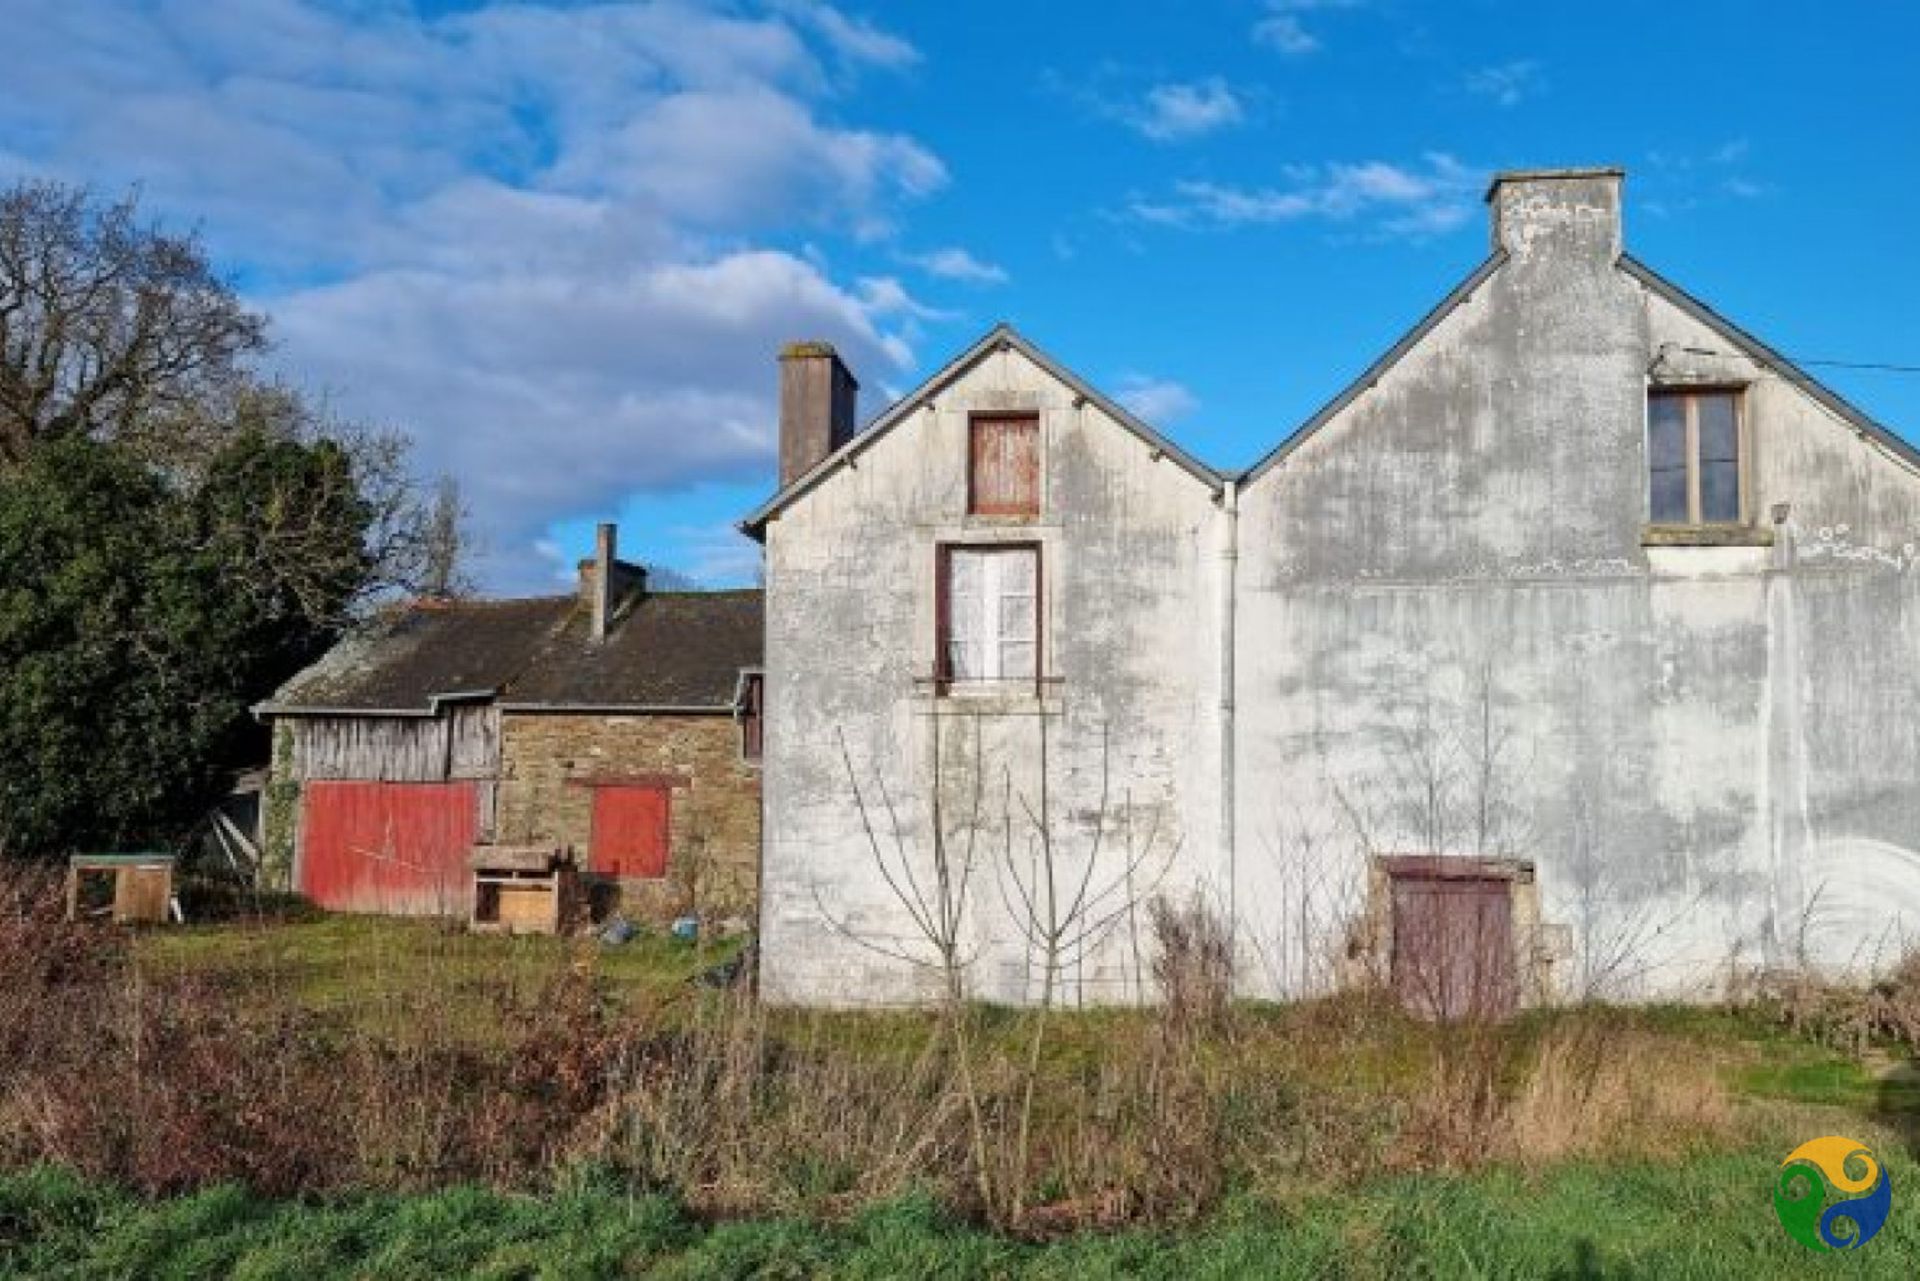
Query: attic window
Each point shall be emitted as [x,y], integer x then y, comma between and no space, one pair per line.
[1694,457]
[1003,465]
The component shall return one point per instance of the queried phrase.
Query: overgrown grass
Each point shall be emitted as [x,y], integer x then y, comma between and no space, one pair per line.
[377,972]
[1710,1217]
[420,1089]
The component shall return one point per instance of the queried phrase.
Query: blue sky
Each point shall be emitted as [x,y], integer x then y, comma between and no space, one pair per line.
[559,244]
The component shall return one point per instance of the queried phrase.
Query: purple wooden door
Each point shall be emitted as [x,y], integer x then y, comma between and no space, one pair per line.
[1453,946]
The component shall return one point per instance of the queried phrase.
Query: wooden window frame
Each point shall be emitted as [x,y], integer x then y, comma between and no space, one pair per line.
[943,680]
[1691,394]
[1028,510]
[753,718]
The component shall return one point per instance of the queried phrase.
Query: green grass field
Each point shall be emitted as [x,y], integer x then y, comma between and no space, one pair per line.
[376,971]
[1707,1218]
[1695,1202]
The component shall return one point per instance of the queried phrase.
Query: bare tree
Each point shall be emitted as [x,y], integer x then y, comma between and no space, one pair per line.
[119,331]
[931,880]
[1063,916]
[442,540]
[108,326]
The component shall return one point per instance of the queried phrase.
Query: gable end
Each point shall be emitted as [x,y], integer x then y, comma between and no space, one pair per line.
[1001,337]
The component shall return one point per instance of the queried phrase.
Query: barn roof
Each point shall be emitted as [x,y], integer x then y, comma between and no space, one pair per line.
[665,650]
[671,650]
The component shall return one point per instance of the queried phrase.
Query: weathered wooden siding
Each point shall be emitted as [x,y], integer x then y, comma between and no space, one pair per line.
[461,743]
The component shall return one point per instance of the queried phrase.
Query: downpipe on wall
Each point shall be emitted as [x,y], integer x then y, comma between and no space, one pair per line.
[1229,552]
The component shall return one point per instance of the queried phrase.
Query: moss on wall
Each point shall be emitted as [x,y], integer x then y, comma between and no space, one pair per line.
[280,824]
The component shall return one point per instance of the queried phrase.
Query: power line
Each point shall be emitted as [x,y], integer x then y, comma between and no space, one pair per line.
[1875,366]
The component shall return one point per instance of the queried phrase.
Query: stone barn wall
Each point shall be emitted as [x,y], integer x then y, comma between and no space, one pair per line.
[550,762]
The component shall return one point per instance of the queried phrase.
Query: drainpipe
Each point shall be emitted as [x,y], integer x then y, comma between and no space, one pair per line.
[1229,586]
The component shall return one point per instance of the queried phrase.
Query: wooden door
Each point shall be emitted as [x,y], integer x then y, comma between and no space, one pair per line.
[388,847]
[1453,946]
[632,824]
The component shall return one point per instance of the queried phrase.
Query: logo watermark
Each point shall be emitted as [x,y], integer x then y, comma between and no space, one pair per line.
[1832,1194]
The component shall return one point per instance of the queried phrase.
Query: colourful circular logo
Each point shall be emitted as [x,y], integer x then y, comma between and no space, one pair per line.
[1832,1194]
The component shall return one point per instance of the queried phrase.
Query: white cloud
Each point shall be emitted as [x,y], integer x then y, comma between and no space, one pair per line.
[954,263]
[886,296]
[533,236]
[1176,112]
[1159,401]
[1395,200]
[1283,28]
[1731,152]
[1169,111]
[1678,181]
[722,158]
[1285,32]
[1509,84]
[854,38]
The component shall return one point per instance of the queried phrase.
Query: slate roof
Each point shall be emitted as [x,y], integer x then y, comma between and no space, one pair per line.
[666,649]
[673,649]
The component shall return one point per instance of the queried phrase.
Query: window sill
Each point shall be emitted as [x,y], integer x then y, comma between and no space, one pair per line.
[995,520]
[993,703]
[1706,536]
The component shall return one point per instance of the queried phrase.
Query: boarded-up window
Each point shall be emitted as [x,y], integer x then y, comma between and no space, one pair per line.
[989,616]
[1693,457]
[752,718]
[1003,465]
[630,831]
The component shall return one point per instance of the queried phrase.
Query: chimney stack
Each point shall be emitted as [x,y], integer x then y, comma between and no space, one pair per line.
[1562,213]
[817,395]
[606,581]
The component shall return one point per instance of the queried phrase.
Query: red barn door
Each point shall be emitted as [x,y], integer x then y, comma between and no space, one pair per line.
[630,831]
[388,847]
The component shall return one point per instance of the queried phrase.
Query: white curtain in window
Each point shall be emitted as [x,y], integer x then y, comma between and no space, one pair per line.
[992,613]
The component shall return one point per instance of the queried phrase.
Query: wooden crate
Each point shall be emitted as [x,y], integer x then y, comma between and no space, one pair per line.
[142,885]
[523,889]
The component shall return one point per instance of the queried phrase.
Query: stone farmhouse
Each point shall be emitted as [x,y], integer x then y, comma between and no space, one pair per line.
[1572,649]
[619,723]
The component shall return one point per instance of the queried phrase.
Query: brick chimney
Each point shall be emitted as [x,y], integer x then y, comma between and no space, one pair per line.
[1558,212]
[817,395]
[606,581]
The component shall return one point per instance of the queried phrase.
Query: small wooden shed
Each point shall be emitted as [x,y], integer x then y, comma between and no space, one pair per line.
[142,885]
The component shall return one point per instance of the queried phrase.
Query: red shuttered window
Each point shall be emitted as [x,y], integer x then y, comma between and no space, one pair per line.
[1003,465]
[630,831]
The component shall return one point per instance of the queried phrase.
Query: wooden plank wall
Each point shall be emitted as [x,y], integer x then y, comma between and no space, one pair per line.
[462,743]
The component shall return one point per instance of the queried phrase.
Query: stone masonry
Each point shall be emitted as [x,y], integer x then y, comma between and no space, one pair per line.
[548,760]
